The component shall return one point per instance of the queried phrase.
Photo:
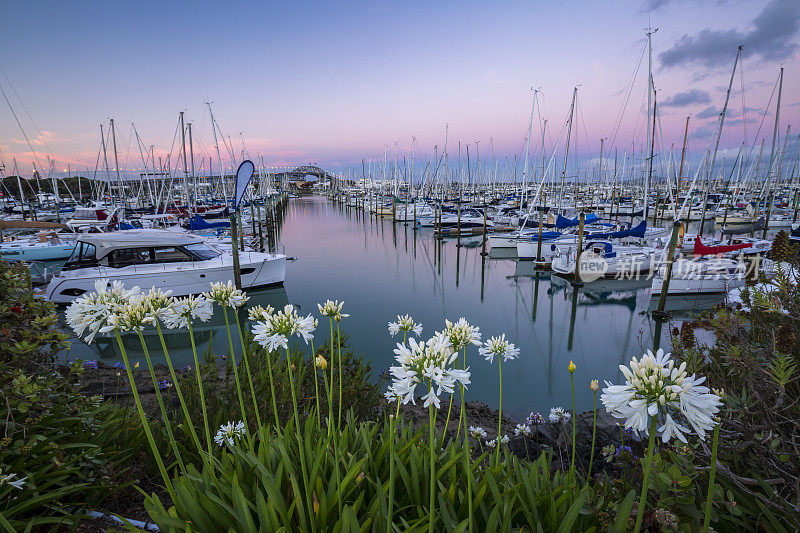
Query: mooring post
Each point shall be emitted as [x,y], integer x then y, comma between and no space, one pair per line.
[659,313]
[237,273]
[576,282]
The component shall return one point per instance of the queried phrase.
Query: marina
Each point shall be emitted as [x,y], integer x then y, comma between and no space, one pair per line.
[400,267]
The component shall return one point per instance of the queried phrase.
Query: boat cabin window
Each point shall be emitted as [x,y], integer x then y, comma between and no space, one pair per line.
[202,251]
[170,254]
[82,256]
[85,214]
[130,256]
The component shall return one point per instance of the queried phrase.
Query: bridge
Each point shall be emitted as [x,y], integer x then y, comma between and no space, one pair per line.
[300,173]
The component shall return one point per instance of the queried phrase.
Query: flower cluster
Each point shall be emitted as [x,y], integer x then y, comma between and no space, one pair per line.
[259,313]
[477,432]
[226,295]
[230,433]
[429,362]
[522,429]
[92,364]
[405,323]
[187,309]
[164,384]
[332,310]
[655,387]
[8,479]
[534,419]
[558,414]
[500,347]
[274,330]
[461,334]
[92,311]
[492,443]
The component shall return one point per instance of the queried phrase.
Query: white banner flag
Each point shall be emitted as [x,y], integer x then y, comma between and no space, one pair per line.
[243,176]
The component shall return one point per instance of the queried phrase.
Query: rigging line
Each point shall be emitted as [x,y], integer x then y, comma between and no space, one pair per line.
[50,152]
[763,118]
[20,127]
[630,91]
[744,107]
[585,129]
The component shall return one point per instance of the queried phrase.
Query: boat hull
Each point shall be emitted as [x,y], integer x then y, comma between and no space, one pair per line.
[183,279]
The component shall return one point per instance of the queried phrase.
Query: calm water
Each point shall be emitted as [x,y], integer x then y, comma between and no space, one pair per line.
[381,270]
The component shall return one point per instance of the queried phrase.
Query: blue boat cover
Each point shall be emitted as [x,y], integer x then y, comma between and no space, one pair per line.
[563,222]
[198,223]
[636,231]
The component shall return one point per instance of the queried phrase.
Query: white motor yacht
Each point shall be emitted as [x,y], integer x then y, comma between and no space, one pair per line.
[180,262]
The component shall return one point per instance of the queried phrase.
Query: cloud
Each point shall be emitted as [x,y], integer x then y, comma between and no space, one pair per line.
[708,112]
[770,38]
[692,96]
[653,5]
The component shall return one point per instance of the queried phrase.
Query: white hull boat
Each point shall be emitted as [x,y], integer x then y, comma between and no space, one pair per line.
[703,276]
[182,263]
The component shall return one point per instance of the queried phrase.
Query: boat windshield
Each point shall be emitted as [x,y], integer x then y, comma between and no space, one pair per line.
[202,251]
[82,256]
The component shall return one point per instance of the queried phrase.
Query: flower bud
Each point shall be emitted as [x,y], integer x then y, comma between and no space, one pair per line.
[571,367]
[594,385]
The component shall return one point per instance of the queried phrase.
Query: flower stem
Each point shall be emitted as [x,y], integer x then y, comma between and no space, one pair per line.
[143,418]
[594,432]
[316,380]
[235,371]
[164,416]
[389,516]
[462,415]
[200,387]
[247,368]
[711,476]
[431,446]
[467,465]
[339,344]
[177,386]
[648,465]
[500,410]
[574,426]
[300,439]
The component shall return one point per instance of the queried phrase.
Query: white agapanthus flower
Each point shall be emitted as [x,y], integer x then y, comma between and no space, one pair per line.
[491,443]
[522,429]
[405,323]
[500,347]
[461,334]
[558,414]
[274,331]
[477,432]
[158,302]
[187,309]
[226,295]
[504,439]
[430,363]
[259,313]
[230,433]
[331,309]
[91,312]
[133,315]
[655,387]
[8,479]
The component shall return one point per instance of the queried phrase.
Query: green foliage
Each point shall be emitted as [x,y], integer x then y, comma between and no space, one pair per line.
[69,448]
[28,325]
[360,393]
[755,359]
[258,486]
